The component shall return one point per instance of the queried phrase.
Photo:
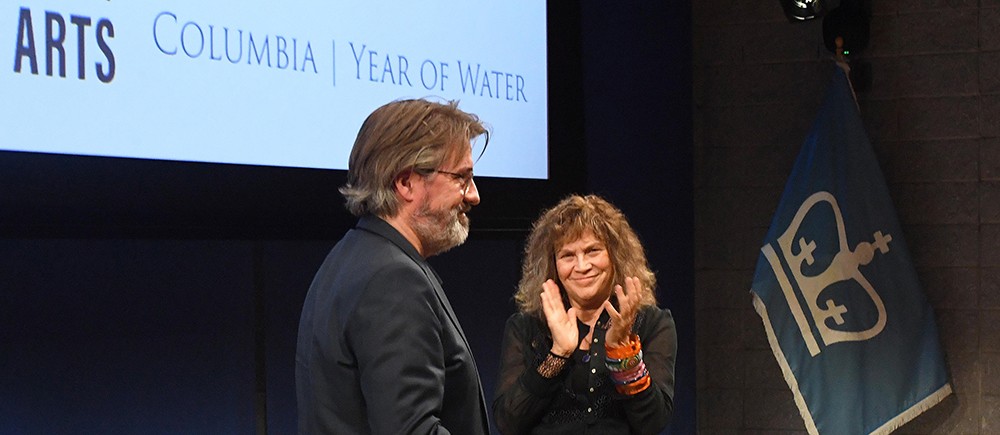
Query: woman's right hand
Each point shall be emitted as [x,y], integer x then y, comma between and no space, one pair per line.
[562,322]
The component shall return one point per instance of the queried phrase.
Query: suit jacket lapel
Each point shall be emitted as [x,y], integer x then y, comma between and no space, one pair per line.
[378,226]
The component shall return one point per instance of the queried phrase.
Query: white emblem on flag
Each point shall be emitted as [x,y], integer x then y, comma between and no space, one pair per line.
[845,266]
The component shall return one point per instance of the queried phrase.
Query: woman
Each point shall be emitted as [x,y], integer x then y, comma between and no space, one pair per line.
[588,351]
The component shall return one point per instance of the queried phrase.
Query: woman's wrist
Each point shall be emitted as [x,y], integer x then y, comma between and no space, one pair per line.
[558,353]
[624,337]
[626,367]
[630,347]
[624,342]
[551,366]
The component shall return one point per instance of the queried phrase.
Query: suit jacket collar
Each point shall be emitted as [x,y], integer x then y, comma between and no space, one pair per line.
[377,225]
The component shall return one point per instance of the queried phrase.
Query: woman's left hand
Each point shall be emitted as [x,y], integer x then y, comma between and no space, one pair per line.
[622,318]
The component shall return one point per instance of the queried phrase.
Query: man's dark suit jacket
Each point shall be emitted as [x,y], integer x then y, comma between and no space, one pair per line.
[379,347]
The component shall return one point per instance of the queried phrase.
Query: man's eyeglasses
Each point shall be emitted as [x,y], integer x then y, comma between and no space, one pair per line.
[464,179]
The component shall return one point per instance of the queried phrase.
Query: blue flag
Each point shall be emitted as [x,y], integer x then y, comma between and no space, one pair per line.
[844,313]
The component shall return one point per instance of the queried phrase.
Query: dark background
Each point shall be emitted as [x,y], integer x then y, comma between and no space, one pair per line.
[163,297]
[932,113]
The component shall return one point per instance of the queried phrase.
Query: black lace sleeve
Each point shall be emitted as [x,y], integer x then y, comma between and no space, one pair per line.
[522,395]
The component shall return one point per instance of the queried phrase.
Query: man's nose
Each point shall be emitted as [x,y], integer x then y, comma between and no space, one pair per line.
[472,194]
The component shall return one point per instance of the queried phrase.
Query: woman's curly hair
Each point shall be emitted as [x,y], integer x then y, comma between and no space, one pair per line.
[567,222]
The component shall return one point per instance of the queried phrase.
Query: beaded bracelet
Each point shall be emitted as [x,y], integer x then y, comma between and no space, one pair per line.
[635,387]
[621,365]
[631,348]
[627,369]
[629,375]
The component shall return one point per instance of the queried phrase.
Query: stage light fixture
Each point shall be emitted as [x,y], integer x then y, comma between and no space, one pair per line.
[803,10]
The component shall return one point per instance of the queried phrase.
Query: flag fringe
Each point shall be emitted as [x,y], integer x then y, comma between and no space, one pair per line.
[800,401]
[786,370]
[914,411]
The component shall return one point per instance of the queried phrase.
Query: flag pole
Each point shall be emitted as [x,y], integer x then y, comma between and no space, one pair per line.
[842,62]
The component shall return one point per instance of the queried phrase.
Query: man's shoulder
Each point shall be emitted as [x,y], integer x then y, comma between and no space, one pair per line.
[358,241]
[363,253]
[364,268]
[373,236]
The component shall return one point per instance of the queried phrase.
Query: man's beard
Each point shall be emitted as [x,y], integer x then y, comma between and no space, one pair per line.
[442,229]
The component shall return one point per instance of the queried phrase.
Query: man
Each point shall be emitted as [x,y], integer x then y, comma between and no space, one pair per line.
[379,347]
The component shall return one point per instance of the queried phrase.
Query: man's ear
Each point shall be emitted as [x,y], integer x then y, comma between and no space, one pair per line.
[404,185]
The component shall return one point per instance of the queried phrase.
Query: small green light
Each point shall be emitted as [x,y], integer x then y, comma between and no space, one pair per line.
[847,52]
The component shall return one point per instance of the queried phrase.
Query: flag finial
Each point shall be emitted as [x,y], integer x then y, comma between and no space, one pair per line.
[840,54]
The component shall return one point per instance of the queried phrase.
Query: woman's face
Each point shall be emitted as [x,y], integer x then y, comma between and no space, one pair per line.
[585,270]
